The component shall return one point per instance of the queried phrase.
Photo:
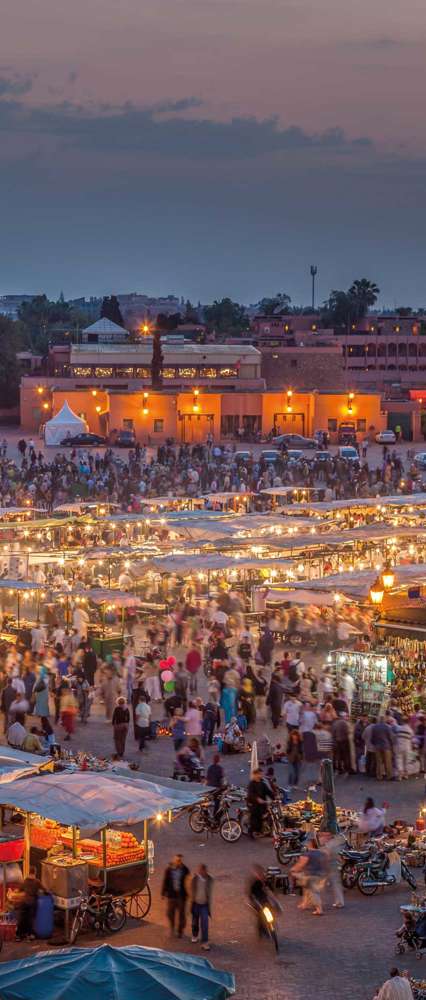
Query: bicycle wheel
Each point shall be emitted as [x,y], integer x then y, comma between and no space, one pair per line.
[139,905]
[115,916]
[196,820]
[349,875]
[284,855]
[230,830]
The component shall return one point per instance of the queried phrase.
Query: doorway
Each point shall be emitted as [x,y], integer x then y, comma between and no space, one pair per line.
[194,427]
[289,423]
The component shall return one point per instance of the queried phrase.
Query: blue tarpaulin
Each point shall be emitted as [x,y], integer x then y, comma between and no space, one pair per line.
[114,974]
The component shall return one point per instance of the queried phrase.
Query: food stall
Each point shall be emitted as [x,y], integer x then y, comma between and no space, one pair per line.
[77,828]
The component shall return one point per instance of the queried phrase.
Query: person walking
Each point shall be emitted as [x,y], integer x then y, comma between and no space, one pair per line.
[275,698]
[382,741]
[310,870]
[341,745]
[120,725]
[174,889]
[201,900]
[332,845]
[142,719]
[258,793]
[294,757]
[193,664]
[404,742]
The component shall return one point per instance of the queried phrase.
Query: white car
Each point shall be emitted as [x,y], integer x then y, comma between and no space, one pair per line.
[349,453]
[386,437]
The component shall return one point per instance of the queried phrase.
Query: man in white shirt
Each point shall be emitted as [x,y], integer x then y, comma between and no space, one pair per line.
[348,686]
[395,988]
[142,720]
[16,735]
[308,718]
[291,712]
[18,684]
[37,638]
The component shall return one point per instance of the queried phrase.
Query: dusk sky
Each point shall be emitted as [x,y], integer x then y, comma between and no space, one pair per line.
[213,147]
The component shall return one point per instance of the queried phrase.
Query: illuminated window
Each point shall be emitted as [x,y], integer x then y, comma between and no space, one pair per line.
[169,372]
[122,372]
[143,373]
[158,426]
[103,372]
[208,372]
[187,372]
[85,372]
[228,372]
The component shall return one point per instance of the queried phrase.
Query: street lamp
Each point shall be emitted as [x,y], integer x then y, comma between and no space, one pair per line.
[314,271]
[377,592]
[388,577]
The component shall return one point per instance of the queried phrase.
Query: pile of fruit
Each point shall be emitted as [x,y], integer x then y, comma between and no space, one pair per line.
[122,849]
[45,833]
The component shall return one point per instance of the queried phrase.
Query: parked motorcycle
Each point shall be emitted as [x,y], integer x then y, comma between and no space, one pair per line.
[374,873]
[205,818]
[98,913]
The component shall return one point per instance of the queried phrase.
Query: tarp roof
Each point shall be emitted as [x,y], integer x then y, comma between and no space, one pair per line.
[93,801]
[66,416]
[19,764]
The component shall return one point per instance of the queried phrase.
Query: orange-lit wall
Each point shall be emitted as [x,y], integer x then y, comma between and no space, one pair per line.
[336,406]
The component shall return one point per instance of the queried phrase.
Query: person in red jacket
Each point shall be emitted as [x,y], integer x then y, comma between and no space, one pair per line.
[193,664]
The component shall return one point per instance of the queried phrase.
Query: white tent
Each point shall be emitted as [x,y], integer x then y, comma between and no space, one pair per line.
[63,423]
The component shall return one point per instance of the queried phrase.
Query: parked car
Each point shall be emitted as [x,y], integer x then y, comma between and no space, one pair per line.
[295,441]
[84,439]
[242,456]
[270,455]
[420,460]
[386,437]
[124,439]
[349,453]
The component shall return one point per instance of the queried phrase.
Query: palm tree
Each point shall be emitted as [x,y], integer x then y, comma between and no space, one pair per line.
[364,294]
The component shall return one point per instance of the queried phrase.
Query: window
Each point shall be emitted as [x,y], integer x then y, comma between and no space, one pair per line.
[103,372]
[82,372]
[187,372]
[332,425]
[228,372]
[293,363]
[169,372]
[123,372]
[127,424]
[143,373]
[361,425]
[158,426]
[229,425]
[208,372]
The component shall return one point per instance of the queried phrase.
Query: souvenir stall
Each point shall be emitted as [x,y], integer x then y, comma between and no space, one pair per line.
[370,672]
[77,827]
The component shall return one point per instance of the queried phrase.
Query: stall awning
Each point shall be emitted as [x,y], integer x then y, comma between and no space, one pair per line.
[94,801]
[19,764]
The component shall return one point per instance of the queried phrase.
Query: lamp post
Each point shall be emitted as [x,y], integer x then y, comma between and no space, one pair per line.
[314,271]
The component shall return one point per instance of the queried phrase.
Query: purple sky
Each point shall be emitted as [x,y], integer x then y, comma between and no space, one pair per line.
[212,147]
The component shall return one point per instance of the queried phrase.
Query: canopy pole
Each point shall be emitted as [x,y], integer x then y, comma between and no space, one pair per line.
[145,838]
[74,841]
[18,609]
[27,844]
[104,848]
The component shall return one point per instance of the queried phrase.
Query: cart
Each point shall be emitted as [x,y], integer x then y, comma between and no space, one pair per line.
[127,882]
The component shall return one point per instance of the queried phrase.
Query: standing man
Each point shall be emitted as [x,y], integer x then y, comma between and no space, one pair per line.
[258,793]
[175,891]
[201,897]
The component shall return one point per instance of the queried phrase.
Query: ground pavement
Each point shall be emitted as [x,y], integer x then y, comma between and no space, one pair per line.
[345,950]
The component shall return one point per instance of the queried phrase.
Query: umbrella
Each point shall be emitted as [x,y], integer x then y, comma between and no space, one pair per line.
[254,763]
[114,974]
[329,819]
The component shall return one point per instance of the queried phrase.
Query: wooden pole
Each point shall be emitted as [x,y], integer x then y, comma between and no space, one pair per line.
[27,844]
[145,838]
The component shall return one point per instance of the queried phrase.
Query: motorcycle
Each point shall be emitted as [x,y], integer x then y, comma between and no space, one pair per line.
[373,873]
[289,845]
[205,818]
[98,913]
[266,921]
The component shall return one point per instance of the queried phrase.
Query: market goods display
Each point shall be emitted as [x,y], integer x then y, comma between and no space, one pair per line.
[121,849]
[45,833]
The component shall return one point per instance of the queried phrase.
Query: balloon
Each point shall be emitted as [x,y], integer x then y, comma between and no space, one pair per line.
[166,676]
[169,686]
[163,664]
[171,660]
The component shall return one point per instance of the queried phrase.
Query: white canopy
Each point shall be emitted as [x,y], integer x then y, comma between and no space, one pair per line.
[61,424]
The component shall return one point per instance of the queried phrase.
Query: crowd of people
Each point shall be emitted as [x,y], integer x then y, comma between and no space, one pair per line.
[185,470]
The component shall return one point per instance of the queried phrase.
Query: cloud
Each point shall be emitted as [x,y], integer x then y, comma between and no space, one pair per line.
[15,86]
[162,130]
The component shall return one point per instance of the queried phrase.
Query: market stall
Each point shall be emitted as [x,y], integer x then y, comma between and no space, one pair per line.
[370,672]
[77,827]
